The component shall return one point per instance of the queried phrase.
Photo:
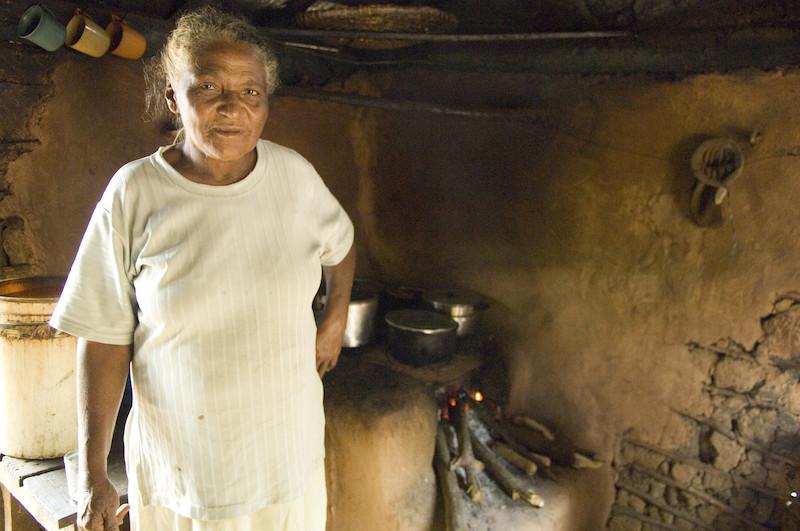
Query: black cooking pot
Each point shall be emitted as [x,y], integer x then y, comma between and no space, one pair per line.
[420,337]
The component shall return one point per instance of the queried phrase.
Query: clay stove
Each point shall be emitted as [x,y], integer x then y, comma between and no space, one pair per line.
[428,448]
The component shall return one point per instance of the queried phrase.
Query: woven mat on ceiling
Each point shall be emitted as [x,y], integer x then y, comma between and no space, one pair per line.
[381,18]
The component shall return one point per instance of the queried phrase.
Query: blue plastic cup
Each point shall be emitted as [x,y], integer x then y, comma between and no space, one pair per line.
[39,26]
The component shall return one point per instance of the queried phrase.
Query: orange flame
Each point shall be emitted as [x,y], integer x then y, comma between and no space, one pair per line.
[478,396]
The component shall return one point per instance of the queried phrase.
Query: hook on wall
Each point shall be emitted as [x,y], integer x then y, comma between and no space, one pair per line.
[716,164]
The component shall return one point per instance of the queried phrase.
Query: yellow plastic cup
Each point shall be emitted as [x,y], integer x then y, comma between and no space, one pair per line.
[86,36]
[125,41]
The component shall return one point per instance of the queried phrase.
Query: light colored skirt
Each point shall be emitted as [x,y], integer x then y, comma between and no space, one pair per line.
[307,513]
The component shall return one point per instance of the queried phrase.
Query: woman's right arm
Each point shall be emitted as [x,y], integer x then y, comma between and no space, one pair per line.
[102,371]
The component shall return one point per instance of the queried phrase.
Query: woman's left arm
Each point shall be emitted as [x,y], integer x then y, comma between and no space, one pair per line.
[330,329]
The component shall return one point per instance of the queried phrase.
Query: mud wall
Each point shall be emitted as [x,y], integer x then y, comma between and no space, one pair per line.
[79,119]
[575,223]
[740,465]
[571,216]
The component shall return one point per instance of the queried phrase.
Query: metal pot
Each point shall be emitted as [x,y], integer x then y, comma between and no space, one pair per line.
[420,337]
[361,312]
[464,307]
[396,297]
[402,298]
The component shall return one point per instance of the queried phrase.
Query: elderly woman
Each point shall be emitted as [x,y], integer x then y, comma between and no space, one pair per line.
[197,271]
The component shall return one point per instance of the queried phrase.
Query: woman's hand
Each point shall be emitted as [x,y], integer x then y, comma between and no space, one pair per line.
[101,373]
[99,508]
[330,329]
[329,344]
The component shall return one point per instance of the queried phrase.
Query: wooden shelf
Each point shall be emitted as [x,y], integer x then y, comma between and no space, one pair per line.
[40,486]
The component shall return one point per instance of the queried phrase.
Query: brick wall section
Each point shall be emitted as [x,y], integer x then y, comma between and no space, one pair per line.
[743,464]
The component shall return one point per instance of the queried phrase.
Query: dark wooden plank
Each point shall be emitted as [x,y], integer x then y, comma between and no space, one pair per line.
[22,469]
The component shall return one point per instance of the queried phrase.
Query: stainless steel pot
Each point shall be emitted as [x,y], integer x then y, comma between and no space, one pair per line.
[361,313]
[420,337]
[463,306]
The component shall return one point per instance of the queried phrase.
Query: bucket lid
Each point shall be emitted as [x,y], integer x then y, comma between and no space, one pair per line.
[32,289]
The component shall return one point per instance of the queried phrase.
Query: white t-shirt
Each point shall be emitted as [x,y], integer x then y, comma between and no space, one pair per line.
[213,285]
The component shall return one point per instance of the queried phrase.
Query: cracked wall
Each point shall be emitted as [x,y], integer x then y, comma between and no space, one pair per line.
[71,121]
[740,464]
[26,84]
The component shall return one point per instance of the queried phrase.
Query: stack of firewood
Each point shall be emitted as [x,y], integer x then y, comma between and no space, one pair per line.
[459,449]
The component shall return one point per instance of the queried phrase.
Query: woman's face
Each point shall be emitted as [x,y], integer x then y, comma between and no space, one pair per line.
[222,100]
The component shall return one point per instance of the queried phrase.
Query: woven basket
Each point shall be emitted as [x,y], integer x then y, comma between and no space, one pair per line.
[379,18]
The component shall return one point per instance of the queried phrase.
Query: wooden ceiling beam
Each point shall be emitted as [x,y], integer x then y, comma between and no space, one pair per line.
[297,6]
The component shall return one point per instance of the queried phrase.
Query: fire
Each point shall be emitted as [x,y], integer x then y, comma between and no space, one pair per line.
[478,396]
[453,402]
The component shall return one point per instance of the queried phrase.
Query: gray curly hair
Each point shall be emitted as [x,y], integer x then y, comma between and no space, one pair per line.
[195,31]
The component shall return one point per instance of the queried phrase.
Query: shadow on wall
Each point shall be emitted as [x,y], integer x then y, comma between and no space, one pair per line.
[456,198]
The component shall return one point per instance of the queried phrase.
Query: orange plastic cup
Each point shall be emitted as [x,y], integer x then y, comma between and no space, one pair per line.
[125,41]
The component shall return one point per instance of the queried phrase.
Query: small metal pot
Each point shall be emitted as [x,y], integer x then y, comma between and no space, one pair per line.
[420,337]
[402,298]
[361,313]
[464,307]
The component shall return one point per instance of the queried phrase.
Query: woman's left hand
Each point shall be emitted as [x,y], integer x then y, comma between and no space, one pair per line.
[329,344]
[330,329]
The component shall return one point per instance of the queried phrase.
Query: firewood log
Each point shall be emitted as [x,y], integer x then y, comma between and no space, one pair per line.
[535,446]
[502,432]
[519,461]
[451,493]
[528,422]
[466,458]
[584,461]
[512,486]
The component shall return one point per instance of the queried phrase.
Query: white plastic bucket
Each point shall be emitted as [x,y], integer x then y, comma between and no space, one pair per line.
[38,412]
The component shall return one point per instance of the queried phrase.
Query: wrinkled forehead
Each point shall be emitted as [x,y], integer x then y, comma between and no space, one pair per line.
[228,59]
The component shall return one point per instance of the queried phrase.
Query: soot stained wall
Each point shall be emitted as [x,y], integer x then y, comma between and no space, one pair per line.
[576,226]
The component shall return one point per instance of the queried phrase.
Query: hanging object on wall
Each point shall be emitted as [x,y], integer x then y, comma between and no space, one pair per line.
[126,42]
[716,164]
[86,36]
[39,26]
